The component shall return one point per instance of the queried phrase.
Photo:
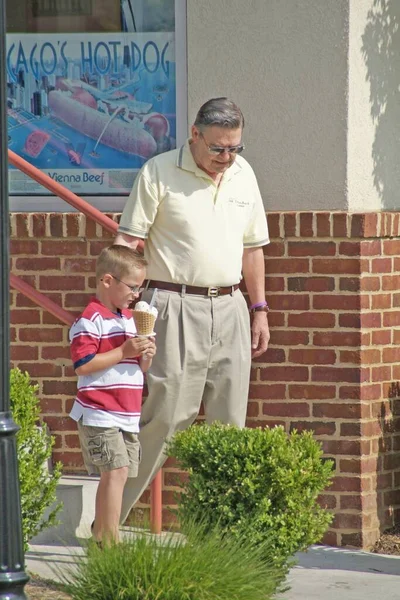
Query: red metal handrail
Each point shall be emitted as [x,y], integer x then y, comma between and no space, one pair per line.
[62,192]
[63,315]
[41,300]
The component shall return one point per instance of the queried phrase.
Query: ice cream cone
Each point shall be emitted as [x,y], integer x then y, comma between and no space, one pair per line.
[144,322]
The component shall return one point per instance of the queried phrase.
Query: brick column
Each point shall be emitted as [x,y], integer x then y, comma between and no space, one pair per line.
[333,281]
[333,284]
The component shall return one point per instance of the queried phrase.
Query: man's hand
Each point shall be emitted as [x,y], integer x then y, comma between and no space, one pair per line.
[259,334]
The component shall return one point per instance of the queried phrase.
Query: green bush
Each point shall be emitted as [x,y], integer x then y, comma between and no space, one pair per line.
[34,447]
[260,485]
[202,566]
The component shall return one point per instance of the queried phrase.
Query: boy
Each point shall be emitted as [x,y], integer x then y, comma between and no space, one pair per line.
[109,360]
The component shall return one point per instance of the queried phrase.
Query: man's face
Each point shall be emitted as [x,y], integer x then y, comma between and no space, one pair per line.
[209,138]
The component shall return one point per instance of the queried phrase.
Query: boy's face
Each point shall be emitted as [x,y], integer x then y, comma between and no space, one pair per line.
[119,293]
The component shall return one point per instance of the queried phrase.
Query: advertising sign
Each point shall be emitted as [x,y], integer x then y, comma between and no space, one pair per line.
[89,110]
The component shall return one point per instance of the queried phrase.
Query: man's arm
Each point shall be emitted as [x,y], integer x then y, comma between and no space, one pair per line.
[254,276]
[128,240]
[140,210]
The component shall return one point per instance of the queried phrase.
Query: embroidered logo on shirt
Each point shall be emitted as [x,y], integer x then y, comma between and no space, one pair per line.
[237,202]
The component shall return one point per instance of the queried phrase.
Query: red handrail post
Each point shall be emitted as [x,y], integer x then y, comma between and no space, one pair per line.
[156,503]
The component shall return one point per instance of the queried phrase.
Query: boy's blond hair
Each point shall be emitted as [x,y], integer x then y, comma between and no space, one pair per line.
[119,261]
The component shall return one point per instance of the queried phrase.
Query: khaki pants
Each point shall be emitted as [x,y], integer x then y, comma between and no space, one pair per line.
[203,354]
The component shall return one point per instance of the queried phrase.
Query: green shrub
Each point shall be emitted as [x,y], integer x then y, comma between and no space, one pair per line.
[34,446]
[260,485]
[198,567]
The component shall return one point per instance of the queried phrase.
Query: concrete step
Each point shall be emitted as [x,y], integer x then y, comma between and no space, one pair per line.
[77,493]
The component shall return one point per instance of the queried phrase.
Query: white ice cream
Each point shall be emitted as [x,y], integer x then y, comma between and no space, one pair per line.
[145,307]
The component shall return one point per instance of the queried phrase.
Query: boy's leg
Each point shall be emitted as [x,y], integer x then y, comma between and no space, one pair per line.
[115,454]
[108,504]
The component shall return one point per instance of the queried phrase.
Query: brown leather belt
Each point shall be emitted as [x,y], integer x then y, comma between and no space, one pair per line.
[212,291]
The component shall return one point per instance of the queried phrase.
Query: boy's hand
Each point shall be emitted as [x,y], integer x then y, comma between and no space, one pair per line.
[151,350]
[136,347]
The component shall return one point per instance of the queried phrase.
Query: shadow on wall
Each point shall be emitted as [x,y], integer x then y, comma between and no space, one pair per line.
[381,51]
[388,471]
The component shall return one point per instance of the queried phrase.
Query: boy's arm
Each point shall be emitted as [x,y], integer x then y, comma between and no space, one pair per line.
[145,363]
[105,360]
[131,348]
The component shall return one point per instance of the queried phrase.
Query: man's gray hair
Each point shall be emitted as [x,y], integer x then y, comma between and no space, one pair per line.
[220,112]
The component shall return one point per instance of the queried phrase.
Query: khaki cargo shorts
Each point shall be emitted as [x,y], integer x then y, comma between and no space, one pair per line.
[109,448]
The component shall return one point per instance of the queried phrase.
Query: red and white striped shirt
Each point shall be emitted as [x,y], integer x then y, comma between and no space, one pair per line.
[111,397]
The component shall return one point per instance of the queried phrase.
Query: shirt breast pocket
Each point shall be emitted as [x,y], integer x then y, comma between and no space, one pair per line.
[182,212]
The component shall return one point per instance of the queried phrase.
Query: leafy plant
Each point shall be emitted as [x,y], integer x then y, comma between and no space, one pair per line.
[34,447]
[201,566]
[260,485]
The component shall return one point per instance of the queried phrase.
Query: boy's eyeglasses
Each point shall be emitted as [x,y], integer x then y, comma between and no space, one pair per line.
[136,289]
[221,149]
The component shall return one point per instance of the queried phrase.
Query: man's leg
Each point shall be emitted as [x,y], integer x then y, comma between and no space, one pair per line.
[176,382]
[226,393]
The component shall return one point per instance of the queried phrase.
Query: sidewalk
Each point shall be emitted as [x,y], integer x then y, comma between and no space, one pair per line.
[323,573]
[327,573]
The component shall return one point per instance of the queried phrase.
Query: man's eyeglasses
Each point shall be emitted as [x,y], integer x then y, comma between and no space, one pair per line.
[136,289]
[221,149]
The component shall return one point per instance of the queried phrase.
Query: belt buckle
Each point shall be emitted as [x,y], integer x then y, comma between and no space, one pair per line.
[213,292]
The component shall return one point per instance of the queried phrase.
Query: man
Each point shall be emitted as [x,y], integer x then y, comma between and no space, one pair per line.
[200,212]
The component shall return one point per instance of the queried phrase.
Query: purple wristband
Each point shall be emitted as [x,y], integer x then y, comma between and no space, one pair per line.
[258,305]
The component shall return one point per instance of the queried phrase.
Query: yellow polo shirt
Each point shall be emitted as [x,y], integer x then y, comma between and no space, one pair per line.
[195,231]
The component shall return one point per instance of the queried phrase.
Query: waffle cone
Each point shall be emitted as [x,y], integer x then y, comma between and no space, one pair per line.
[144,322]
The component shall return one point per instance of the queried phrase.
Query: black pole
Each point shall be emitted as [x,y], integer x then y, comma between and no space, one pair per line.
[12,575]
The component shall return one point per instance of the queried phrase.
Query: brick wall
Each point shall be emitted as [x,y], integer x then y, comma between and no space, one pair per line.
[333,284]
[56,254]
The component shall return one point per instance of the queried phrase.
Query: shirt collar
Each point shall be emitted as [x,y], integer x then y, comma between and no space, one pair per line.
[106,313]
[186,162]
